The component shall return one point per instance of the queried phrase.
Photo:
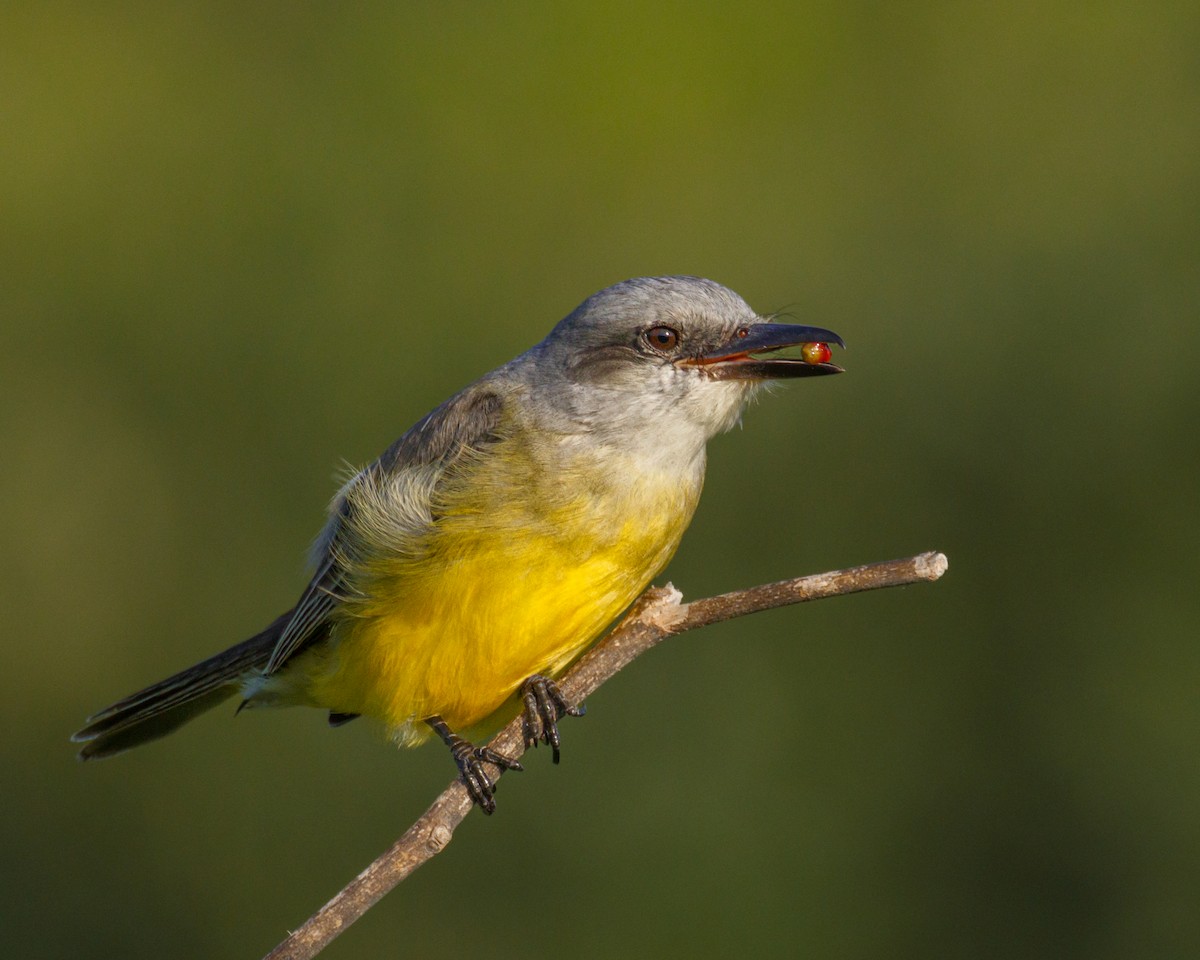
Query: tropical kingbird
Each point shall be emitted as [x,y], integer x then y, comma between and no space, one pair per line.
[470,564]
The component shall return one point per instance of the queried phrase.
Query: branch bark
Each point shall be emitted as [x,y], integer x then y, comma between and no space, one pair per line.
[659,613]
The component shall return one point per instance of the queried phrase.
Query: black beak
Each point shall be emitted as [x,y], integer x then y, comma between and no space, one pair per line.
[741,357]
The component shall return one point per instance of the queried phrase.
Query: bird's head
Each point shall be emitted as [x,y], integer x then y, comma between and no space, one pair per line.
[674,356]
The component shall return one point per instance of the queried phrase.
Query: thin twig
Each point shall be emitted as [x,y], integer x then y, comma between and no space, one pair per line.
[658,614]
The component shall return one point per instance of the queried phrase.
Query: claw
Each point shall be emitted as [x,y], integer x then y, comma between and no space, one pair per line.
[544,706]
[470,761]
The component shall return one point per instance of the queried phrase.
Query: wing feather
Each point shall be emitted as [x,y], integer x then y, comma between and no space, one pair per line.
[469,421]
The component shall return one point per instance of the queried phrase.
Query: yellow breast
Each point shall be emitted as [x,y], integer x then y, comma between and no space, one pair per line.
[516,580]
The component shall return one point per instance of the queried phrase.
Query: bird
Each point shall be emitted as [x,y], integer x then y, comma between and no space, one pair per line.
[460,573]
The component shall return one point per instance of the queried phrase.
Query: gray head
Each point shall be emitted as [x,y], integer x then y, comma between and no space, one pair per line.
[675,354]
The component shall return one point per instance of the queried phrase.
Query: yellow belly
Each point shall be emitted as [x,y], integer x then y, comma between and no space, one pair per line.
[492,603]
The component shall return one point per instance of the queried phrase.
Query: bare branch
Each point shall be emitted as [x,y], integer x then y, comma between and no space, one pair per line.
[659,613]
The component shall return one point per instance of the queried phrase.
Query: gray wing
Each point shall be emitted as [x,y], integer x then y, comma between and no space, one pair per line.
[309,617]
[467,421]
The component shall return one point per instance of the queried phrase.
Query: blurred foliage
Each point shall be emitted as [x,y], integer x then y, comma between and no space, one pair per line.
[243,242]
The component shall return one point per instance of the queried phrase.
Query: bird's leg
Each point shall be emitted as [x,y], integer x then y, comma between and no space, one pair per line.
[544,705]
[470,760]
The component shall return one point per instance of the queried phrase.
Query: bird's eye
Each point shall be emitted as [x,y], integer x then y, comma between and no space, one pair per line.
[662,338]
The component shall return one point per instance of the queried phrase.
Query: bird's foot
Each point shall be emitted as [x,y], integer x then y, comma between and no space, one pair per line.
[544,706]
[470,760]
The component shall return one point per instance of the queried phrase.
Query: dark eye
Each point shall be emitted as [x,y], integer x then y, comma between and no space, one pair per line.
[662,338]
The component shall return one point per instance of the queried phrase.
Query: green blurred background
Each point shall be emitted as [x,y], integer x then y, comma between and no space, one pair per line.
[240,244]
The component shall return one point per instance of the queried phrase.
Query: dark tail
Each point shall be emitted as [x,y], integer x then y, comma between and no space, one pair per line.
[168,704]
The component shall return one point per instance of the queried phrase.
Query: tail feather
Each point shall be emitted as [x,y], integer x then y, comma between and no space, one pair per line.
[164,706]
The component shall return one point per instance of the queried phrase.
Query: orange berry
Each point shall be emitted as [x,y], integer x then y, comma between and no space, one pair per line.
[815,353]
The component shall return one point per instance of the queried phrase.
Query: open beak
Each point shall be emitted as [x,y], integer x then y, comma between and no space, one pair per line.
[749,355]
